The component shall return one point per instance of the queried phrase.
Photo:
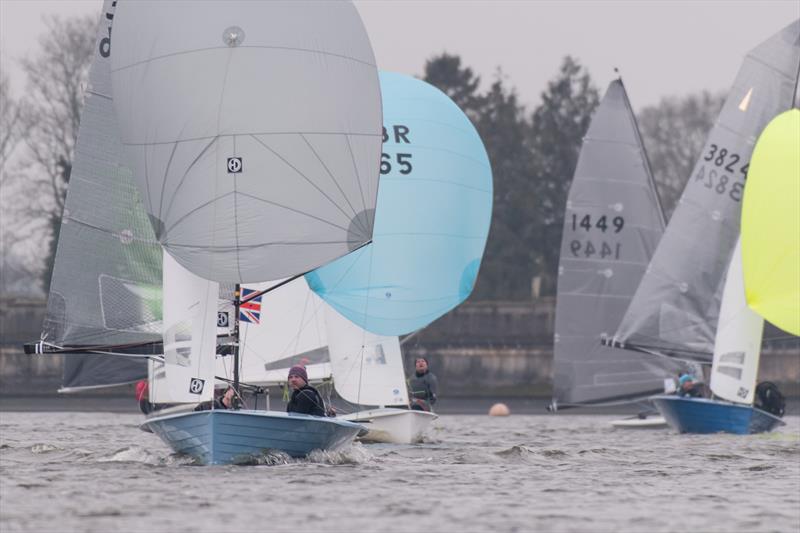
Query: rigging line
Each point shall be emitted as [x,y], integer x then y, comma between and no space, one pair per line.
[650,178]
[186,173]
[164,181]
[287,280]
[335,182]
[297,170]
[796,85]
[364,329]
[358,175]
[147,180]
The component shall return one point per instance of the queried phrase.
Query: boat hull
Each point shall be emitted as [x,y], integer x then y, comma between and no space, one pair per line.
[227,437]
[393,425]
[701,415]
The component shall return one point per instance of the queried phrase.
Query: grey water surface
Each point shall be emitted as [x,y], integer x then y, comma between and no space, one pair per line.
[99,472]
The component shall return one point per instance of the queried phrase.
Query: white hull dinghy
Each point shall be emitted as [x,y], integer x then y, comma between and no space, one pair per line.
[392,425]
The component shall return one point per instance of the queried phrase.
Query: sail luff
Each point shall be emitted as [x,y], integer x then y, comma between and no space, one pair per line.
[645,159]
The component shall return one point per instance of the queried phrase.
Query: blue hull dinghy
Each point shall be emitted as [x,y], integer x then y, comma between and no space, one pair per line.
[701,415]
[228,437]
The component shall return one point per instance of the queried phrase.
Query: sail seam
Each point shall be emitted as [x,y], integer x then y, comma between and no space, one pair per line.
[225,48]
[290,165]
[358,175]
[335,182]
[222,135]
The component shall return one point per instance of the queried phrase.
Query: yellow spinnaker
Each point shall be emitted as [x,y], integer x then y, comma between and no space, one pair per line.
[771,224]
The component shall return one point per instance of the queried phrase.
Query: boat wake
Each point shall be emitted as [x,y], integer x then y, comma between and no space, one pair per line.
[137,454]
[355,454]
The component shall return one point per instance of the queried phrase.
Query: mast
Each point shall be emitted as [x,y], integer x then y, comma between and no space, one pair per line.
[237,302]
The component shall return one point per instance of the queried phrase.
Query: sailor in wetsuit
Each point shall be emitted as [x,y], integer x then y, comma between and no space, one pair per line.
[305,398]
[422,386]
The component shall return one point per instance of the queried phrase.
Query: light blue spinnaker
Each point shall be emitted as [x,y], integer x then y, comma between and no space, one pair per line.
[432,217]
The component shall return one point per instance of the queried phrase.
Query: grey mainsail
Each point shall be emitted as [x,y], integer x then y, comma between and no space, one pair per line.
[612,225]
[676,307]
[106,284]
[253,130]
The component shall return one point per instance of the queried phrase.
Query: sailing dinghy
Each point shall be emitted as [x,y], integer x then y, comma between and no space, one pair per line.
[252,131]
[682,308]
[612,225]
[737,351]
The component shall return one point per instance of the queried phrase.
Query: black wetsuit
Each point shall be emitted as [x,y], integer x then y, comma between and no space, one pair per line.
[306,401]
[423,387]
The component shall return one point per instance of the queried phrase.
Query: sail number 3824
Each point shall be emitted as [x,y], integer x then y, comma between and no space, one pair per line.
[720,177]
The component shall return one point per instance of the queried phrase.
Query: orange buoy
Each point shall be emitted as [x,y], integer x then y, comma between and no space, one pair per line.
[499,409]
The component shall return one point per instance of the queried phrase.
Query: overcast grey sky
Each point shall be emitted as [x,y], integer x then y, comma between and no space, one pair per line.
[661,47]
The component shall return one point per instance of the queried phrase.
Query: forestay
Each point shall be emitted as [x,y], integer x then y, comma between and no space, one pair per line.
[771,224]
[612,224]
[434,211]
[186,374]
[253,129]
[105,288]
[676,307]
[737,348]
[277,330]
[367,368]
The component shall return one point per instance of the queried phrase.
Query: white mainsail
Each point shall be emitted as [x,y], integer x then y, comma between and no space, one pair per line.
[289,329]
[367,368]
[186,374]
[737,348]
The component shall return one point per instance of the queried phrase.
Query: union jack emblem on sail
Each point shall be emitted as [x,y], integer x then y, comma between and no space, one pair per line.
[250,311]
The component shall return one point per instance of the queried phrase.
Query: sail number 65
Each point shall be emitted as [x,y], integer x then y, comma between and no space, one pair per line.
[403,161]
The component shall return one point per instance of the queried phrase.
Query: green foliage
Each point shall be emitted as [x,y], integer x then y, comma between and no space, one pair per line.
[674,132]
[557,129]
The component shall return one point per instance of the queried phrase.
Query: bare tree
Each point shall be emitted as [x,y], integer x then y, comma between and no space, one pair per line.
[56,79]
[9,122]
[674,132]
[17,271]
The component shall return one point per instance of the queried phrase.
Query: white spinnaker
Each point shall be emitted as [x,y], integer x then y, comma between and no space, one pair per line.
[190,338]
[290,330]
[253,130]
[367,368]
[737,348]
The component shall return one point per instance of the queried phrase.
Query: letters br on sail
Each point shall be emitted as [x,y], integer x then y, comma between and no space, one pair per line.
[432,221]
